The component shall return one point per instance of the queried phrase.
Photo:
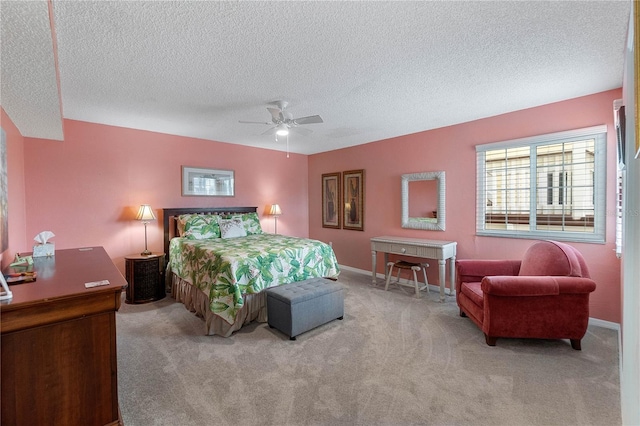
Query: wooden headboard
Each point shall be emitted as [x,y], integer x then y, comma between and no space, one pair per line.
[170,223]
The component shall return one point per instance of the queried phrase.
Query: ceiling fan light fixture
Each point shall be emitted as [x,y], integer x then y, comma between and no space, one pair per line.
[283,130]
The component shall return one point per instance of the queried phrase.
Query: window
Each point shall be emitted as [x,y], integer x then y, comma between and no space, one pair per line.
[548,186]
[619,183]
[619,120]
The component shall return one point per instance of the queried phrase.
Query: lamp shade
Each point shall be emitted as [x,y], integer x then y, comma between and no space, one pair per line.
[145,213]
[275,210]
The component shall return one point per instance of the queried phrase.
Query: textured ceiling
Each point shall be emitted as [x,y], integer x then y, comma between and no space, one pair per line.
[28,89]
[372,70]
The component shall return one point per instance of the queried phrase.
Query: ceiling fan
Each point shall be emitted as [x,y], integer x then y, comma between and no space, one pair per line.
[283,121]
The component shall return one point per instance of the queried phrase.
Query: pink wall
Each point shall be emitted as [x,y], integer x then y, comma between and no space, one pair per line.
[87,189]
[15,190]
[452,149]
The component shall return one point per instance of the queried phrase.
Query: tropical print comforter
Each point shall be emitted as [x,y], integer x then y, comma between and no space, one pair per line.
[225,269]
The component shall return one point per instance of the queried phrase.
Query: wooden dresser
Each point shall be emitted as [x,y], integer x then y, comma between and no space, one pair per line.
[59,364]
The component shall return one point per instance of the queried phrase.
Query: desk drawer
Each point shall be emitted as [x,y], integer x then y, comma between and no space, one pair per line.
[404,249]
[426,249]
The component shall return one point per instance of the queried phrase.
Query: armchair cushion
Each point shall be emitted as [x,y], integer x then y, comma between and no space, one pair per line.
[482,268]
[471,270]
[551,258]
[473,292]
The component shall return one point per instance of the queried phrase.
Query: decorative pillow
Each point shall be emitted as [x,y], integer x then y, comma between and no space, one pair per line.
[182,220]
[232,228]
[251,223]
[200,227]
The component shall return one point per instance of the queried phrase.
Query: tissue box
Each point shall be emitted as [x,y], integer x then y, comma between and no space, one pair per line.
[44,250]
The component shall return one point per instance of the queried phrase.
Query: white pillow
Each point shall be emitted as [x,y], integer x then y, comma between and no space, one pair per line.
[232,228]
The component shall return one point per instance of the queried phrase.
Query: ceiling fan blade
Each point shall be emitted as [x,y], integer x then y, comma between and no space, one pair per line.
[300,131]
[276,114]
[254,122]
[312,119]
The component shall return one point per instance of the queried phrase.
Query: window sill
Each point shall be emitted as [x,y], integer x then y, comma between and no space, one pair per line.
[568,237]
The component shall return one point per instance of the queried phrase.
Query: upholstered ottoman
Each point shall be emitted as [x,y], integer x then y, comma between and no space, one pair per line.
[298,307]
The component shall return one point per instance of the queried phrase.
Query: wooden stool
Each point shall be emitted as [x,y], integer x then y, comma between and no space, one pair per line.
[414,267]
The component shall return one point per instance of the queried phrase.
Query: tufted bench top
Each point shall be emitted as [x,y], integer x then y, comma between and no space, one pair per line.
[303,290]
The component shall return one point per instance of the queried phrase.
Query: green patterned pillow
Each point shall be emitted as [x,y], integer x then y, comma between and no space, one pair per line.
[200,227]
[251,223]
[182,221]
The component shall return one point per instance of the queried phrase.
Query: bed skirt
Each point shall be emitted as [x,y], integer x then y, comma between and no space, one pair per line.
[254,309]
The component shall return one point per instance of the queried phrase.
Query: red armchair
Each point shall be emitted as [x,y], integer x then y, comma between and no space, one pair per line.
[543,296]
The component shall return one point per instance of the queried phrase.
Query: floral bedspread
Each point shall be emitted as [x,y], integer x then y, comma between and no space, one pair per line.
[225,269]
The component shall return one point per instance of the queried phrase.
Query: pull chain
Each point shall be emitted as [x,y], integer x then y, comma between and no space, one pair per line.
[287,143]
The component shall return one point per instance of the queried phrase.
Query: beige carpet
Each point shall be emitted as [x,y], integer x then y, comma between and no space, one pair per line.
[393,360]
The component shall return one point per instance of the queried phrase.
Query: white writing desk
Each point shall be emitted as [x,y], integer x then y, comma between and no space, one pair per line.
[416,247]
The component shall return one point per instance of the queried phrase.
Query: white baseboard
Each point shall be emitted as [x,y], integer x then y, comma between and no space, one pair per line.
[592,321]
[611,326]
[360,271]
[380,276]
[604,324]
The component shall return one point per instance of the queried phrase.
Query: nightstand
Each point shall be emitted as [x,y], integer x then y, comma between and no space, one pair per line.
[145,275]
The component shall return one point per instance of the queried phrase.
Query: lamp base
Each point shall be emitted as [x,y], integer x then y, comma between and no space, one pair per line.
[146,253]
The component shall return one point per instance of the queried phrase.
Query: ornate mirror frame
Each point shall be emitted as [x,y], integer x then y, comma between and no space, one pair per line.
[419,222]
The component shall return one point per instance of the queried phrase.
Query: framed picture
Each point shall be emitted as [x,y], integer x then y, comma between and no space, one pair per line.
[353,199]
[207,182]
[331,197]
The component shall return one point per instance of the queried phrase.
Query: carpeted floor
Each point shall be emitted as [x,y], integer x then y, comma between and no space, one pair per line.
[393,360]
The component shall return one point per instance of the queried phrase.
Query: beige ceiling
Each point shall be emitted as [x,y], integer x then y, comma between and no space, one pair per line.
[371,70]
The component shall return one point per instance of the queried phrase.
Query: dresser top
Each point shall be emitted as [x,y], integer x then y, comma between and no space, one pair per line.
[414,241]
[65,275]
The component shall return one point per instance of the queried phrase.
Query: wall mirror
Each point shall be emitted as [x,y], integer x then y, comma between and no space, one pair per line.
[423,196]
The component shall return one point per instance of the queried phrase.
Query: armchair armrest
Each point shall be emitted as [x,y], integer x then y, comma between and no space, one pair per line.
[575,285]
[536,285]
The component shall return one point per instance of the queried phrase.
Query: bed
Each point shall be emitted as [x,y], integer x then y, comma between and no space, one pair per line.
[219,262]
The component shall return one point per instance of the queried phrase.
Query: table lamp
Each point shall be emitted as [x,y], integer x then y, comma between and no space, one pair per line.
[145,214]
[275,212]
